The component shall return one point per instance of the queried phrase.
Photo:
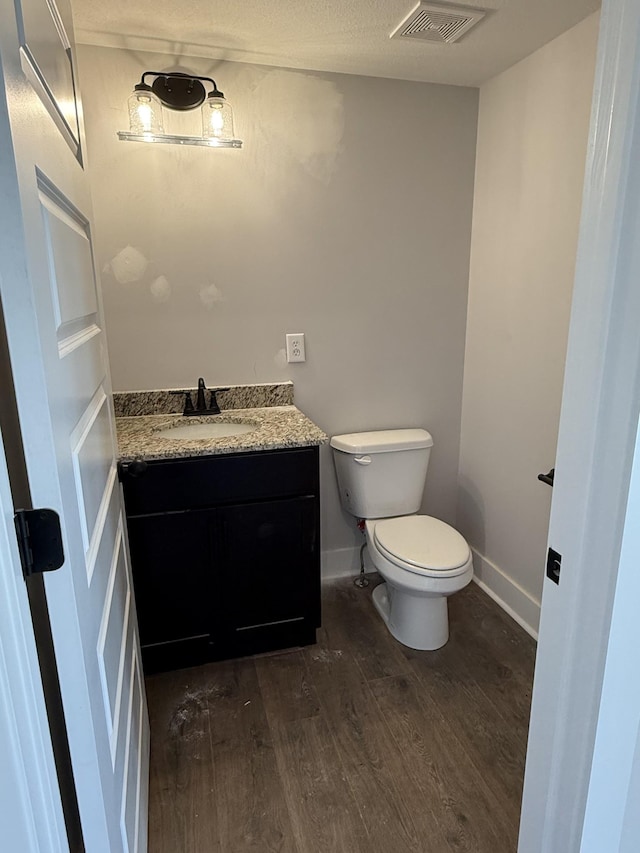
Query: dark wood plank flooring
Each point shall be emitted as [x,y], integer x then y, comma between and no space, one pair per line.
[355,744]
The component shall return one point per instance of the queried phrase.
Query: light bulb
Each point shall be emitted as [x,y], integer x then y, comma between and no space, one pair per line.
[145,112]
[217,119]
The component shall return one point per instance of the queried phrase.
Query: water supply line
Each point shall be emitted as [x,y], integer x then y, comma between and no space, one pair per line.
[361,581]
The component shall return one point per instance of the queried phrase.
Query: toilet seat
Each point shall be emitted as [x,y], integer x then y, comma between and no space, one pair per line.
[423,545]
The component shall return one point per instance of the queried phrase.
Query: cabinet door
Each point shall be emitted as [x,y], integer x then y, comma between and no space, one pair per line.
[172,565]
[268,574]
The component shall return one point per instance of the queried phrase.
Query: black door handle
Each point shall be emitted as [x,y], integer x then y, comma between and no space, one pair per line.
[547,478]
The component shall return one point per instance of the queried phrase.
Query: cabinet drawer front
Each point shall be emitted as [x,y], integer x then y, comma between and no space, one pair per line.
[217,480]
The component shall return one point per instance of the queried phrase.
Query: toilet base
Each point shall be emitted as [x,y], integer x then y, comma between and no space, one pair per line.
[381,602]
[417,621]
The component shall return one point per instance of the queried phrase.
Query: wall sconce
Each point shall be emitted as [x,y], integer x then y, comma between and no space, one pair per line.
[177,91]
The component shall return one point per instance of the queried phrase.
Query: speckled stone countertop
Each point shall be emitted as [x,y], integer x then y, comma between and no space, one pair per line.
[276,427]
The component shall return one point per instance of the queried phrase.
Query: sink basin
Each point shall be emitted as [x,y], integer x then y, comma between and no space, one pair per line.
[217,429]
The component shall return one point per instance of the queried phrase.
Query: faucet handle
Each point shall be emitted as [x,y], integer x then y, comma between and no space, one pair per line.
[188,404]
[214,407]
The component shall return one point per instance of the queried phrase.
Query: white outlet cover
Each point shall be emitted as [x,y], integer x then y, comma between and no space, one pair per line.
[295,347]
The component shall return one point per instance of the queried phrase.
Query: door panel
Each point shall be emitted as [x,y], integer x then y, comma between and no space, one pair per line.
[93,466]
[46,52]
[59,361]
[109,525]
[130,811]
[122,711]
[113,637]
[84,359]
[71,264]
[131,790]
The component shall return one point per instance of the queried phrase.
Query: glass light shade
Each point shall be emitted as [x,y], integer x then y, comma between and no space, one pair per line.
[145,112]
[217,120]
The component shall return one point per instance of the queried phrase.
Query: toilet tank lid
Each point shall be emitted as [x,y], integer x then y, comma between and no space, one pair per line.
[382,441]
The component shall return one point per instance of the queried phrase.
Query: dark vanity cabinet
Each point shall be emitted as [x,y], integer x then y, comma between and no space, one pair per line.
[225,554]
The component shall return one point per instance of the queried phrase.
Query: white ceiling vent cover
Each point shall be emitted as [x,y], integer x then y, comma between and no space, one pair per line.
[435,23]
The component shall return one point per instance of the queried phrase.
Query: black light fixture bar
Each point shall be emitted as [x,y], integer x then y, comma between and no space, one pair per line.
[179,91]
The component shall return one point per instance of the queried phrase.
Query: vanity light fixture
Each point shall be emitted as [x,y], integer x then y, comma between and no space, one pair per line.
[177,91]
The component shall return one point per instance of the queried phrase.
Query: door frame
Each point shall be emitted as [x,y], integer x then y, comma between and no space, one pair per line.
[612,818]
[596,450]
[30,803]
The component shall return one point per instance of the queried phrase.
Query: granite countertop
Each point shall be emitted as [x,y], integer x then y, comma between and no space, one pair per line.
[277,427]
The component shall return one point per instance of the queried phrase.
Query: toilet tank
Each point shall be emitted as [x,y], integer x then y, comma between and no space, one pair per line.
[382,474]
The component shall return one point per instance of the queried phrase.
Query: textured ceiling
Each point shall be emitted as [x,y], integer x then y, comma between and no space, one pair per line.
[347,36]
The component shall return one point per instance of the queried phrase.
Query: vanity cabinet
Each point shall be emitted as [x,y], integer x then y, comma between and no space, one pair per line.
[225,554]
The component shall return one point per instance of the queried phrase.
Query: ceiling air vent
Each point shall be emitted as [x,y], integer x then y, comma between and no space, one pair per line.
[431,22]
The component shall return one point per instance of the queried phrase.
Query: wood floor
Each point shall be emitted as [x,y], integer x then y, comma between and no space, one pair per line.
[355,744]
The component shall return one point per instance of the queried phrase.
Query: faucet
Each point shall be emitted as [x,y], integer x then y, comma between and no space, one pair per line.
[201,404]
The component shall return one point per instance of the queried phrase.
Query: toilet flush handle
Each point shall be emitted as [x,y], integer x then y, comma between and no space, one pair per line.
[362,460]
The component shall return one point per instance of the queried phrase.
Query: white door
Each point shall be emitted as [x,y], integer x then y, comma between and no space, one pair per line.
[59,360]
[594,512]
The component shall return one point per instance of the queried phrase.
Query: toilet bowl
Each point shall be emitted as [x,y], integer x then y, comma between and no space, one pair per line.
[423,561]
[381,476]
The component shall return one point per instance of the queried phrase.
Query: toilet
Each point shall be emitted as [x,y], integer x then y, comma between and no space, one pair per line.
[381,478]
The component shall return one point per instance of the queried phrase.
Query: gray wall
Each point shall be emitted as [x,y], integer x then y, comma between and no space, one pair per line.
[346,216]
[532,139]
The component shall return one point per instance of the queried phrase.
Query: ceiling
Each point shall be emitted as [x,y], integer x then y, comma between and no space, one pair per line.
[347,36]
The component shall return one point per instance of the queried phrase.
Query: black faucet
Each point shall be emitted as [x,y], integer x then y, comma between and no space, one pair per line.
[201,404]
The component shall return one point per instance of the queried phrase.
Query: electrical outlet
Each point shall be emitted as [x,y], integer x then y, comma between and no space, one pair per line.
[295,347]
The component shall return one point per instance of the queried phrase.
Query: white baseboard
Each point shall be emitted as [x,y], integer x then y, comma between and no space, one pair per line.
[522,607]
[343,563]
[507,594]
